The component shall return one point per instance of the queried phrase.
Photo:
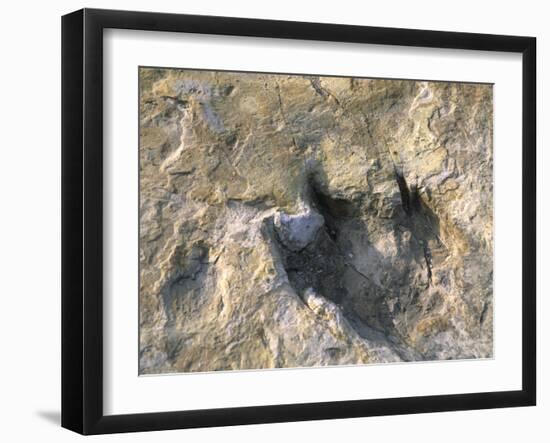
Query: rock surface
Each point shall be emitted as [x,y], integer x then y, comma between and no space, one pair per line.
[292,221]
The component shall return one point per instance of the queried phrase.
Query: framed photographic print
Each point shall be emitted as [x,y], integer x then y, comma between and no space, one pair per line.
[269,221]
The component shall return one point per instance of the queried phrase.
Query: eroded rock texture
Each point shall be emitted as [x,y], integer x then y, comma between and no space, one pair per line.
[293,221]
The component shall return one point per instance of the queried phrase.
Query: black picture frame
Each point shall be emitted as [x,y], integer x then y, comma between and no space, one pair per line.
[82,218]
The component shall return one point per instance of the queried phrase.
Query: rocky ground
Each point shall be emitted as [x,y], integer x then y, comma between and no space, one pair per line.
[291,221]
